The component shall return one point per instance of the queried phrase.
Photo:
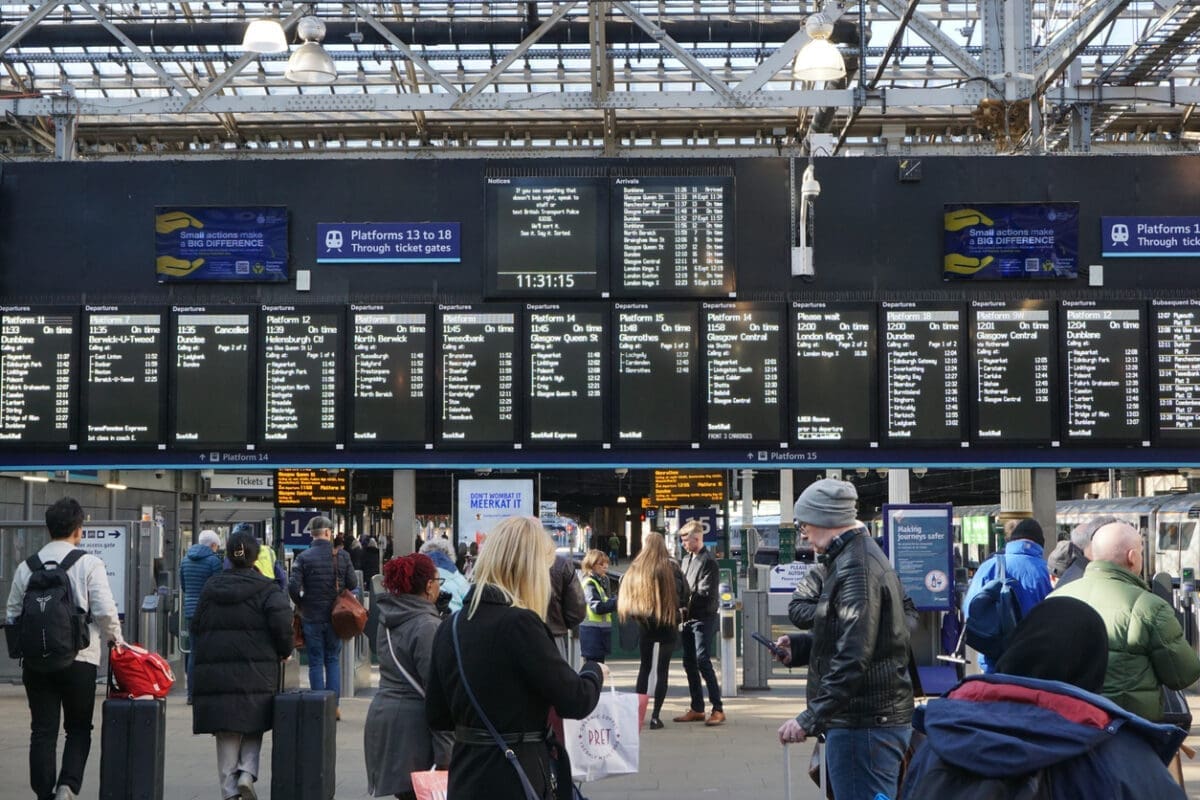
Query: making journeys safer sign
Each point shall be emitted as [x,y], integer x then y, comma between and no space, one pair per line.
[388,242]
[111,544]
[483,503]
[919,542]
[1150,237]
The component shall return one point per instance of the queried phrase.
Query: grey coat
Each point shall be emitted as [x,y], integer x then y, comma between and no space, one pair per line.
[396,738]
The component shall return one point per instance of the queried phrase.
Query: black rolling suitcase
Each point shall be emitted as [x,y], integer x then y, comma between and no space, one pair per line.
[133,739]
[304,746]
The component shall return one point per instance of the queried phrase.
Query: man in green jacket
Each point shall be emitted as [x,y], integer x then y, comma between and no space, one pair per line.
[1146,648]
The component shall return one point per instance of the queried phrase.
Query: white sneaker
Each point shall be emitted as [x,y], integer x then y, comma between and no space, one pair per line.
[64,793]
[245,786]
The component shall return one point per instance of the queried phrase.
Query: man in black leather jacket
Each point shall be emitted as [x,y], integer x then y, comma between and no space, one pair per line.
[700,626]
[859,692]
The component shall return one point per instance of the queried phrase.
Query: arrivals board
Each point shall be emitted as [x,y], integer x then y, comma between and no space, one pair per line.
[745,391]
[1175,334]
[656,372]
[390,385]
[301,375]
[546,236]
[478,380]
[834,373]
[1013,396]
[922,377]
[673,237]
[1103,352]
[566,357]
[124,376]
[213,358]
[39,367]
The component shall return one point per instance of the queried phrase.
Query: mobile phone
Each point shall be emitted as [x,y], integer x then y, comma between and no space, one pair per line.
[767,643]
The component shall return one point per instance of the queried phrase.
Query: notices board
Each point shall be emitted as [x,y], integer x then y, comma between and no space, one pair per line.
[919,540]
[1001,241]
[673,487]
[111,544]
[484,503]
[248,244]
[311,488]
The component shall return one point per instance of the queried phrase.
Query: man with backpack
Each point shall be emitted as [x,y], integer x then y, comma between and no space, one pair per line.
[63,610]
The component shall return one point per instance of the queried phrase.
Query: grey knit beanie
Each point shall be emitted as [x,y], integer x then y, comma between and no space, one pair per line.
[828,503]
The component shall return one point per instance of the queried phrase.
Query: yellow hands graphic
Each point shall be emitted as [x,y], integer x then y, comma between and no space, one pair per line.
[174,220]
[177,267]
[966,265]
[965,218]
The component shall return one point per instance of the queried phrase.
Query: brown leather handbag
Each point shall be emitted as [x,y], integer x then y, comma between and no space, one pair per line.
[348,616]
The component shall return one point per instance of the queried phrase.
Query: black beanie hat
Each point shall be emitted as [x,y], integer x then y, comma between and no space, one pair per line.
[1061,639]
[1028,529]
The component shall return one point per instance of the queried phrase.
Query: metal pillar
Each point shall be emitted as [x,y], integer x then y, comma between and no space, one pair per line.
[899,490]
[1043,496]
[756,660]
[1016,494]
[786,498]
[404,510]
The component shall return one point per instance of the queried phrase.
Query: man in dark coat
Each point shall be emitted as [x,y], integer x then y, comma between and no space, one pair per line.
[699,632]
[1081,549]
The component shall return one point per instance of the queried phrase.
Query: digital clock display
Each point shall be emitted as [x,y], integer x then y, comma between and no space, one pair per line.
[544,280]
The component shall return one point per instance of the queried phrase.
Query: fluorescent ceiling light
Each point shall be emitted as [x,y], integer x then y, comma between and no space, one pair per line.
[116,487]
[35,478]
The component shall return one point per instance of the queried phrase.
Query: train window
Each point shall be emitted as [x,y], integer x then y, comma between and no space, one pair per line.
[1175,535]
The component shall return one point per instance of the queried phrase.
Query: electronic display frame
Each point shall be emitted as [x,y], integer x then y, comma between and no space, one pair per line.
[796,376]
[71,439]
[338,440]
[87,392]
[662,385]
[888,441]
[349,401]
[247,442]
[782,380]
[606,384]
[513,441]
[1161,435]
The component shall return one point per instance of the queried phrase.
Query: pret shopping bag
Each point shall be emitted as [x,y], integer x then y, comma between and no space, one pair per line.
[430,784]
[606,741]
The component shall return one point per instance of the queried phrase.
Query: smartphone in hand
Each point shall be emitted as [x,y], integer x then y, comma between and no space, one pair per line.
[767,643]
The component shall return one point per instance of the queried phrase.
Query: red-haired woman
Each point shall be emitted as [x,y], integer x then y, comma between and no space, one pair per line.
[397,740]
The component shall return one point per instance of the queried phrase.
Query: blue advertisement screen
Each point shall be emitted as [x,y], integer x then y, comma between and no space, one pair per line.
[1010,241]
[221,244]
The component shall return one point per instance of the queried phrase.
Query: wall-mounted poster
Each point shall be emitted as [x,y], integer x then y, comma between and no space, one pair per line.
[221,244]
[1010,241]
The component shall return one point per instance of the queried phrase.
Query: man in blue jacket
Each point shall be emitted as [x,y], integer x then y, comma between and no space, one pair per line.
[200,564]
[1024,563]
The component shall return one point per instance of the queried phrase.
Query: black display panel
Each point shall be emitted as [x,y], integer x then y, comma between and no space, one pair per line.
[547,236]
[213,355]
[656,373]
[1104,363]
[922,373]
[673,237]
[1176,340]
[301,376]
[124,376]
[745,388]
[39,369]
[1013,397]
[567,365]
[477,375]
[835,373]
[390,381]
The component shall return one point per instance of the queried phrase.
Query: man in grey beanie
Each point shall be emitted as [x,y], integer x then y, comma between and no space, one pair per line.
[859,692]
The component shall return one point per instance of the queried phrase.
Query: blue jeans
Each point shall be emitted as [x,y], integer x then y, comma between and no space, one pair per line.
[699,636]
[323,649]
[864,762]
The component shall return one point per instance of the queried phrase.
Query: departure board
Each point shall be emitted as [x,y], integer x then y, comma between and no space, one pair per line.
[547,236]
[834,373]
[213,357]
[301,375]
[922,373]
[1176,337]
[1104,346]
[1014,395]
[656,372]
[674,236]
[312,488]
[744,385]
[478,375]
[38,371]
[567,373]
[124,376]
[390,382]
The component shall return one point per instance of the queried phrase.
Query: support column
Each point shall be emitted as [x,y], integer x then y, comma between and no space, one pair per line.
[1043,497]
[899,490]
[786,499]
[404,510]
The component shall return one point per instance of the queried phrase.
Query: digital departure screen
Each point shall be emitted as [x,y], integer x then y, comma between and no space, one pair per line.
[656,372]
[1176,337]
[38,370]
[1014,395]
[674,236]
[213,357]
[124,376]
[567,370]
[390,381]
[744,386]
[477,366]
[312,488]
[302,350]
[922,372]
[1104,346]
[834,373]
[546,236]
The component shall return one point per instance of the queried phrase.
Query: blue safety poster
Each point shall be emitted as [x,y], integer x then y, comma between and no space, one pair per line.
[920,543]
[221,244]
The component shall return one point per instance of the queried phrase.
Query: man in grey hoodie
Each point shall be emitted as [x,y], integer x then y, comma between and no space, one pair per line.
[200,564]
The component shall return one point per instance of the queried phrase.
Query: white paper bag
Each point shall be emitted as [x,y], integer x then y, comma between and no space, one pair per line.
[606,741]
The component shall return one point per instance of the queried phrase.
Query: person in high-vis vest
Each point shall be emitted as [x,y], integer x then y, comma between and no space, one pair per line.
[266,563]
[595,632]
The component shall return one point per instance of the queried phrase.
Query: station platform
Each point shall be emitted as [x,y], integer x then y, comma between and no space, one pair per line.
[740,759]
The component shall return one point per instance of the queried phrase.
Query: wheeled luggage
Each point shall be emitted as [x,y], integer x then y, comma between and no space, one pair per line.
[304,745]
[133,739]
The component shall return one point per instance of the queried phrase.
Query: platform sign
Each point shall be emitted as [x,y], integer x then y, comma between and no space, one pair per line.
[707,517]
[388,242]
[294,524]
[1150,237]
[111,544]
[919,540]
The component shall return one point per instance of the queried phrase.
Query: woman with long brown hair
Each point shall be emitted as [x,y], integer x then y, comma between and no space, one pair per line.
[653,592]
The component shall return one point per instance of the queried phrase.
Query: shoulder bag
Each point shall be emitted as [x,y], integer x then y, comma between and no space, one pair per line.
[348,616]
[443,743]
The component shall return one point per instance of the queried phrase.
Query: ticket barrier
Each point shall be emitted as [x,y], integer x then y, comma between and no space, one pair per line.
[356,657]
[727,611]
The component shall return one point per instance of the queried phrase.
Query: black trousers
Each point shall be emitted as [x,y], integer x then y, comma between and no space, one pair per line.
[699,636]
[662,670]
[71,691]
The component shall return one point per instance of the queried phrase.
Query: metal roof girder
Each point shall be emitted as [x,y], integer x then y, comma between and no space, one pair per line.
[29,23]
[119,35]
[394,40]
[1057,55]
[927,30]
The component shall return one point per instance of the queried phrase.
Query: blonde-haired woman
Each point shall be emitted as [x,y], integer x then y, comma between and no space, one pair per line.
[652,592]
[513,670]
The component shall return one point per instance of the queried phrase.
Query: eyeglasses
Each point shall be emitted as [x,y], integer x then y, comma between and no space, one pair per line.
[441,581]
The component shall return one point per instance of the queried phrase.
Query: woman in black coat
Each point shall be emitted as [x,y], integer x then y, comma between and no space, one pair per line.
[241,631]
[514,670]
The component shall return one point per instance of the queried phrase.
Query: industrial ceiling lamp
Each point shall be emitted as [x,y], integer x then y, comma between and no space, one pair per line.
[310,63]
[819,60]
[264,36]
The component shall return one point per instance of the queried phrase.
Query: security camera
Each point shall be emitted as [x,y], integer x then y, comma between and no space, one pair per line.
[920,472]
[158,473]
[810,187]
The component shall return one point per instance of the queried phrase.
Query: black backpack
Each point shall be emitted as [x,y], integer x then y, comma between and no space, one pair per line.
[52,628]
